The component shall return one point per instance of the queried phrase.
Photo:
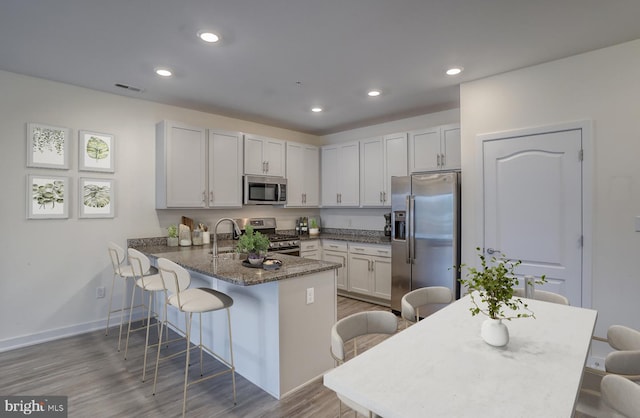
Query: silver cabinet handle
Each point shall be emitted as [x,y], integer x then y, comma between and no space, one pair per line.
[442,161]
[204,196]
[211,196]
[267,166]
[438,160]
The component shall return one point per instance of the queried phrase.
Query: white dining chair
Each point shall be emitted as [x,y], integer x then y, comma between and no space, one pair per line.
[351,328]
[425,298]
[543,295]
[621,395]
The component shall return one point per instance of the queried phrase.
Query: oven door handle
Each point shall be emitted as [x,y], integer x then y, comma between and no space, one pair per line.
[290,251]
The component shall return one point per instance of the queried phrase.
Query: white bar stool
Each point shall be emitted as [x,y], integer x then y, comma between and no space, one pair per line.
[193,300]
[151,283]
[125,272]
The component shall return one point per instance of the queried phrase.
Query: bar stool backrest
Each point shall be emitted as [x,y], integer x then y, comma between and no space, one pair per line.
[116,253]
[175,277]
[140,264]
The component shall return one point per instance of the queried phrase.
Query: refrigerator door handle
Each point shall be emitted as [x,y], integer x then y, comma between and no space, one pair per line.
[411,236]
[407,235]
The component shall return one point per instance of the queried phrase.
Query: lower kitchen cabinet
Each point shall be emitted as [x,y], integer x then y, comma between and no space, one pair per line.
[370,270]
[337,252]
[311,249]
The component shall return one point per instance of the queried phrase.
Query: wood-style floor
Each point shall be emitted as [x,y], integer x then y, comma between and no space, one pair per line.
[100,383]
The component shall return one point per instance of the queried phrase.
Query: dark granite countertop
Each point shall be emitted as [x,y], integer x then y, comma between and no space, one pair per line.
[364,239]
[229,267]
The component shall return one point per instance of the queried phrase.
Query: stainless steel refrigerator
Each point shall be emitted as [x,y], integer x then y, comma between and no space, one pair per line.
[425,233]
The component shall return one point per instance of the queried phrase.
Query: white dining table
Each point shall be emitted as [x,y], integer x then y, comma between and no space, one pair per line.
[441,367]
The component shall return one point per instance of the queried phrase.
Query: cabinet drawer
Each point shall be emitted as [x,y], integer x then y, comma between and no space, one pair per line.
[334,245]
[310,245]
[377,250]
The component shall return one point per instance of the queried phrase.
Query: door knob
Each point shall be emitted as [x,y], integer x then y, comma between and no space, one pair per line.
[491,251]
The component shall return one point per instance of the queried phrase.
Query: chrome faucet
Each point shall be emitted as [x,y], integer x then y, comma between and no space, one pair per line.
[236,228]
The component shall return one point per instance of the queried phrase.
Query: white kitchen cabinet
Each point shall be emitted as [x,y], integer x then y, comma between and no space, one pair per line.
[311,249]
[264,156]
[341,175]
[337,252]
[381,158]
[370,270]
[303,175]
[194,170]
[225,169]
[181,166]
[434,149]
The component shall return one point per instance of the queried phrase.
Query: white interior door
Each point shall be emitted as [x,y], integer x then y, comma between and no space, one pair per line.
[533,206]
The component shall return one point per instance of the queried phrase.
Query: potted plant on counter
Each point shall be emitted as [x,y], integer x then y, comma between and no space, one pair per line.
[491,292]
[172,239]
[314,228]
[254,244]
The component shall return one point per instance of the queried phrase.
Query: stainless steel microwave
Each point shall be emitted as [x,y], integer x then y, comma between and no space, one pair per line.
[264,190]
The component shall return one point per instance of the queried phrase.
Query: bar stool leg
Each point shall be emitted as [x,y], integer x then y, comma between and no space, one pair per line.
[201,373]
[233,367]
[162,326]
[146,342]
[124,299]
[133,300]
[113,282]
[186,365]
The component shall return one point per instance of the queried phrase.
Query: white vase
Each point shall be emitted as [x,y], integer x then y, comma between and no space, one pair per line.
[494,332]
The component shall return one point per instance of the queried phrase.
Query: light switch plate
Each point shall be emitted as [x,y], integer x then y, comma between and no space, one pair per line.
[310,296]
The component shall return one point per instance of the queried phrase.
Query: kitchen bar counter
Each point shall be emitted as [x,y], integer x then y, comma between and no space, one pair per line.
[280,320]
[229,267]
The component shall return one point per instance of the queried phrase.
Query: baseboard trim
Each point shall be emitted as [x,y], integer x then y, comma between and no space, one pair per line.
[63,332]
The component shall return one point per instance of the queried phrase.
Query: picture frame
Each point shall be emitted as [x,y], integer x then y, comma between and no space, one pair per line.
[48,146]
[96,151]
[47,197]
[96,198]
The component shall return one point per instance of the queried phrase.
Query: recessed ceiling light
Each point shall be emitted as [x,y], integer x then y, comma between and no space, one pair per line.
[164,72]
[209,37]
[454,71]
[316,109]
[374,93]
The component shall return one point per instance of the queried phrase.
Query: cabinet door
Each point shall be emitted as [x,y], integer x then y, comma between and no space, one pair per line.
[274,156]
[371,172]
[225,169]
[424,149]
[313,255]
[329,173]
[180,166]
[311,173]
[395,160]
[253,155]
[382,277]
[451,147]
[340,258]
[349,179]
[360,274]
[295,174]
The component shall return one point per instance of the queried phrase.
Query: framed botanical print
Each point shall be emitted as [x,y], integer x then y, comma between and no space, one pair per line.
[95,198]
[47,197]
[48,146]
[96,152]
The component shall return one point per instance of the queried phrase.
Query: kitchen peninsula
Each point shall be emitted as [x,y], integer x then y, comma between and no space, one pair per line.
[280,319]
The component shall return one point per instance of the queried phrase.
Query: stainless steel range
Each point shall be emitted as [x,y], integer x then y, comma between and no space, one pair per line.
[278,243]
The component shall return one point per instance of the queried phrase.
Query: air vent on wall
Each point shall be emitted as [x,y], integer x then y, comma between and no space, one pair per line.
[124,86]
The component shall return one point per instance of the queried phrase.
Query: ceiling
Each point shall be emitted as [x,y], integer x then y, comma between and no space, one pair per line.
[278,58]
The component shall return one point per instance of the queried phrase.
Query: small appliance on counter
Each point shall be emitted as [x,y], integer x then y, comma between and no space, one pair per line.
[387,224]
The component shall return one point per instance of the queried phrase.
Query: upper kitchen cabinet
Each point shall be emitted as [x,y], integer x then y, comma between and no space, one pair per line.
[341,175]
[181,166]
[264,156]
[381,158]
[194,170]
[435,149]
[225,169]
[303,175]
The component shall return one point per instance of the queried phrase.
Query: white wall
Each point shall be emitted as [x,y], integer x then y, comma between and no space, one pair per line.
[51,268]
[601,86]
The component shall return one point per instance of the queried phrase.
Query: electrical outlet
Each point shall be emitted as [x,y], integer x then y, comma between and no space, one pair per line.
[100,292]
[310,297]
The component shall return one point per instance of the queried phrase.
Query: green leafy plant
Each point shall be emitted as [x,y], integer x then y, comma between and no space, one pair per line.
[172,230]
[313,223]
[252,241]
[493,285]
